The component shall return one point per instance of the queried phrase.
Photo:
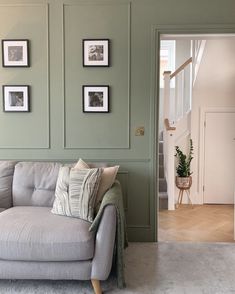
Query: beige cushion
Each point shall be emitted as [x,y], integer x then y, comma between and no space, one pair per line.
[81,164]
[76,192]
[107,178]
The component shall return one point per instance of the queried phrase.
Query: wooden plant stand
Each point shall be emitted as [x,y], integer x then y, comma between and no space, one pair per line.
[183,189]
[180,197]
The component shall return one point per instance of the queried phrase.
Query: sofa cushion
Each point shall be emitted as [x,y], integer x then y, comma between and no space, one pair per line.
[107,178]
[6,177]
[34,183]
[35,234]
[76,191]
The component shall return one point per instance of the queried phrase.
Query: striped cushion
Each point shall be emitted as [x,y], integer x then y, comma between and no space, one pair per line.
[107,178]
[76,192]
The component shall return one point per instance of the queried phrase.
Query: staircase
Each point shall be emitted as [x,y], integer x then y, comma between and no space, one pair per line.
[177,121]
[163,197]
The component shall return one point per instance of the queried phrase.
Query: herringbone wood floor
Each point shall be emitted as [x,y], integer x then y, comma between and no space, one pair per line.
[202,223]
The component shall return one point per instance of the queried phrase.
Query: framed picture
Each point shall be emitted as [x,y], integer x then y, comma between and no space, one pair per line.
[16,98]
[15,53]
[95,52]
[95,98]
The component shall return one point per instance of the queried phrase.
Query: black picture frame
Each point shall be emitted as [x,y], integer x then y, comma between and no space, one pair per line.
[96,52]
[16,98]
[95,99]
[15,53]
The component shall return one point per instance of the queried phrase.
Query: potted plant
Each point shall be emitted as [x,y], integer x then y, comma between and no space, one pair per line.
[183,178]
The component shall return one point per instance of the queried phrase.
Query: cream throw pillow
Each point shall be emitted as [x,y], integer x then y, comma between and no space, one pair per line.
[81,164]
[107,178]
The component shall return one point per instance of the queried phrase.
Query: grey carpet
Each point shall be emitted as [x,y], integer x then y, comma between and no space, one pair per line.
[168,268]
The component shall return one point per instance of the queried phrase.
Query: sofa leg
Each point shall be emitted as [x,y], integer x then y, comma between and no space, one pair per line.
[96,286]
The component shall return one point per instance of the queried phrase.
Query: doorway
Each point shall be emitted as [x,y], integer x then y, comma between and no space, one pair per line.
[207,167]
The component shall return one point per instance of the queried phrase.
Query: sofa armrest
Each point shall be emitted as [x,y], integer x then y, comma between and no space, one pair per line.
[104,244]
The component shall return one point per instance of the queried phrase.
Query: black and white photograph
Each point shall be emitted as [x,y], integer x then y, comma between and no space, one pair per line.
[96,99]
[16,98]
[95,52]
[15,53]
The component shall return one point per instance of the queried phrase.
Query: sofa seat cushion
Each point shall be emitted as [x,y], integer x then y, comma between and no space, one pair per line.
[35,234]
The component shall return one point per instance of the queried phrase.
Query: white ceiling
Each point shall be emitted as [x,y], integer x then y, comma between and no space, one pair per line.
[196,36]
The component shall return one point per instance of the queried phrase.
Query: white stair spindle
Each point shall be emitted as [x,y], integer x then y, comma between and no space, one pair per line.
[176,98]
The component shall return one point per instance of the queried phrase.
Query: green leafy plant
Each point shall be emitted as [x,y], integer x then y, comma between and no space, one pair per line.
[184,161]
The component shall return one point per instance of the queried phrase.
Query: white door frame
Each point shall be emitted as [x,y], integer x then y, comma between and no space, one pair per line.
[201,159]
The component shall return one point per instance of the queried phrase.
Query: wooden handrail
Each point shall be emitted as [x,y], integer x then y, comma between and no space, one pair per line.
[167,125]
[179,69]
[166,72]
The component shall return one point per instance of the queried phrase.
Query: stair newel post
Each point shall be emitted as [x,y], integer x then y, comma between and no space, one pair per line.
[171,169]
[168,145]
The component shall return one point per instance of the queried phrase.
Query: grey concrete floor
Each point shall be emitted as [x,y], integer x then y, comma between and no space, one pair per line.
[151,268]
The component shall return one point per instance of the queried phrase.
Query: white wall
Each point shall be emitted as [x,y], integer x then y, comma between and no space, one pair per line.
[182,51]
[182,139]
[214,87]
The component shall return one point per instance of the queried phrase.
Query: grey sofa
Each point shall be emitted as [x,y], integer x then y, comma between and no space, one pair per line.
[36,244]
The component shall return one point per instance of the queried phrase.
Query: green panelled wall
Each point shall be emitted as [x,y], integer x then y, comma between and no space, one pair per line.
[56,128]
[115,26]
[27,130]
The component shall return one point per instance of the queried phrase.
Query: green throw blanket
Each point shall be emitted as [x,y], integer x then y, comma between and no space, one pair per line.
[114,197]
